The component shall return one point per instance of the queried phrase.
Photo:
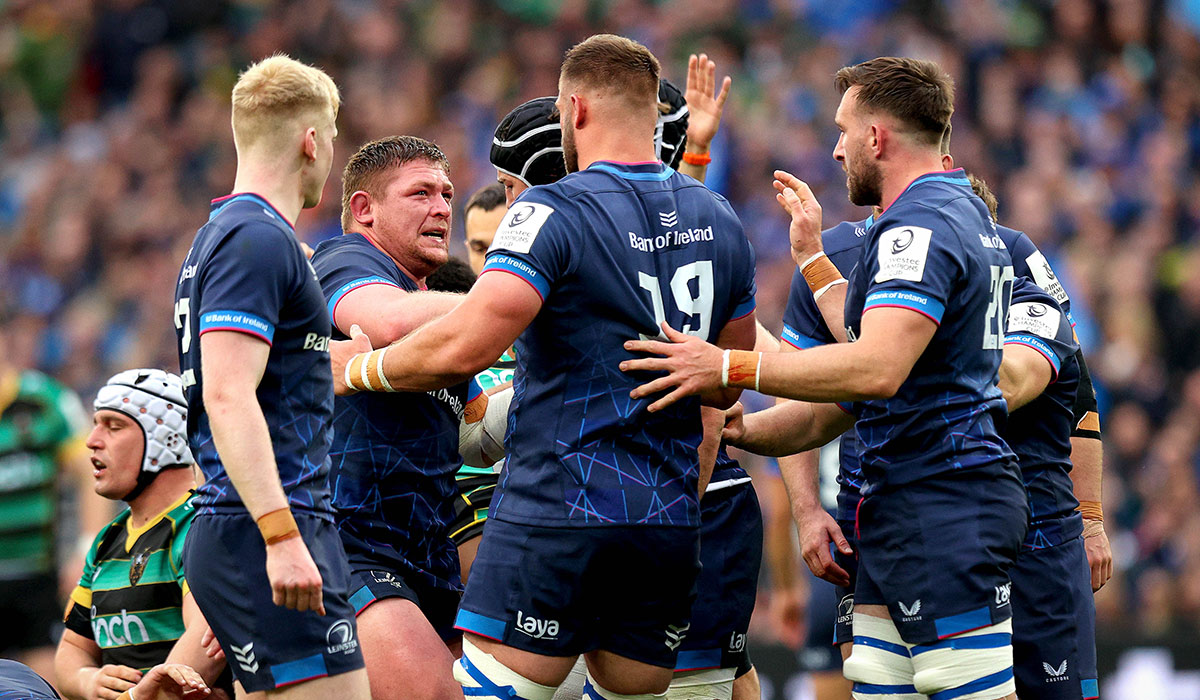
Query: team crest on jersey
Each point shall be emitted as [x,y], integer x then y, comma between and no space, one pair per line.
[902,253]
[1034,318]
[520,227]
[137,566]
[1045,278]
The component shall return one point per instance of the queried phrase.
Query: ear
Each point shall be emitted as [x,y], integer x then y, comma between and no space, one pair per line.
[579,110]
[947,162]
[310,144]
[878,138]
[361,209]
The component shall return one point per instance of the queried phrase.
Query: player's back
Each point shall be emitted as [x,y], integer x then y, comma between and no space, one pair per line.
[613,251]
[933,251]
[245,272]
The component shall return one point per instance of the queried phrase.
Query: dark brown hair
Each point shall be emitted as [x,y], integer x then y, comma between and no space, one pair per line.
[486,198]
[918,93]
[983,192]
[614,63]
[377,157]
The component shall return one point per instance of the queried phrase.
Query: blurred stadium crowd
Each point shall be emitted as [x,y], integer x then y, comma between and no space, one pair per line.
[1082,115]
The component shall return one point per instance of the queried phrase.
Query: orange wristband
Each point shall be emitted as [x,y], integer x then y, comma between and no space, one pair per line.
[820,272]
[739,369]
[278,525]
[696,158]
[1091,510]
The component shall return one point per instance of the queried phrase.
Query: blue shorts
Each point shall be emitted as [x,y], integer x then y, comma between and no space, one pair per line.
[731,541]
[843,631]
[818,654]
[439,605]
[269,646]
[1054,624]
[19,682]
[937,552]
[566,591]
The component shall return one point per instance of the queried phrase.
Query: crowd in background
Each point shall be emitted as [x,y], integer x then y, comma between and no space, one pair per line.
[1082,115]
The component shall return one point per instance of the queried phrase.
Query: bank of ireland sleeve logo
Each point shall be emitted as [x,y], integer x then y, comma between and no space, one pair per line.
[520,227]
[1037,319]
[903,251]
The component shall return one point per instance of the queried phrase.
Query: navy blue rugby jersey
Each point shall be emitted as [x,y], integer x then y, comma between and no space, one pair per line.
[394,455]
[612,250]
[1029,262]
[933,251]
[726,471]
[1040,432]
[246,272]
[804,327]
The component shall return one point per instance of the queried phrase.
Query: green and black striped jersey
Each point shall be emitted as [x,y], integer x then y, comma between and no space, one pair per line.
[130,597]
[41,423]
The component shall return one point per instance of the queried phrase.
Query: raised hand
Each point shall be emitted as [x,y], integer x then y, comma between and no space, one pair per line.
[705,104]
[794,195]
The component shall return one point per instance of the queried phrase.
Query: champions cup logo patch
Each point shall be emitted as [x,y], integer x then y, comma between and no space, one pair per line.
[902,253]
[521,227]
[1037,310]
[137,567]
[340,638]
[1034,318]
[1044,277]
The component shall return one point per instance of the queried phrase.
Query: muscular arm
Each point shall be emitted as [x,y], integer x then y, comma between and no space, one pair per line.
[791,427]
[1024,375]
[188,650]
[233,365]
[387,314]
[75,663]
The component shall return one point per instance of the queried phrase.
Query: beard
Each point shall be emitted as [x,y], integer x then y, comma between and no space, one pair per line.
[570,154]
[864,185]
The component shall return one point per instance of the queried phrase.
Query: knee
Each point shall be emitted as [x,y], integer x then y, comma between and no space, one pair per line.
[879,662]
[979,664]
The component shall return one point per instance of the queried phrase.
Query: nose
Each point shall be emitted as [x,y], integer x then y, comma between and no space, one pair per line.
[441,207]
[839,149]
[93,440]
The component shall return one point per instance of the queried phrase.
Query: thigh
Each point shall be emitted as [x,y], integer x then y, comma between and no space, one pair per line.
[1054,653]
[269,646]
[730,557]
[404,654]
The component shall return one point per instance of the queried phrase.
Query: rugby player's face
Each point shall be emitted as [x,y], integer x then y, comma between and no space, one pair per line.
[117,445]
[412,216]
[481,229]
[512,187]
[864,179]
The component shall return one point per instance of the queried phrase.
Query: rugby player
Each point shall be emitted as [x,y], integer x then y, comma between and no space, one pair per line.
[395,455]
[713,661]
[589,472]
[926,308]
[43,427]
[132,608]
[163,682]
[263,557]
[482,216]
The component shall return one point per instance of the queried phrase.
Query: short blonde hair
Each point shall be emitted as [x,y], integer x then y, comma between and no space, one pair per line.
[274,92]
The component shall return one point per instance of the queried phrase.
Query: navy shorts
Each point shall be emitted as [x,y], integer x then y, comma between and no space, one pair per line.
[843,628]
[731,541]
[269,646]
[566,591]
[439,605]
[938,552]
[817,654]
[1054,624]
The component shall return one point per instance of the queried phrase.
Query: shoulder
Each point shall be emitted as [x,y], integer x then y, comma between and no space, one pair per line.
[1034,311]
[350,249]
[115,525]
[848,235]
[182,514]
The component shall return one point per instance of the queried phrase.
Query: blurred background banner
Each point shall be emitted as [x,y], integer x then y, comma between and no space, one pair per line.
[1082,115]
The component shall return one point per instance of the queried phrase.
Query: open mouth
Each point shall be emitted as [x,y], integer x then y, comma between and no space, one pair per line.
[439,235]
[98,467]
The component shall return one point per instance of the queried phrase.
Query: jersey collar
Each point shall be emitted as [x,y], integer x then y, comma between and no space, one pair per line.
[645,170]
[132,534]
[958,176]
[221,202]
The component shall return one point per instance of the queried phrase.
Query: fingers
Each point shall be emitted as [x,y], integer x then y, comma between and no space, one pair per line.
[355,331]
[124,673]
[724,94]
[646,364]
[693,76]
[653,347]
[657,386]
[839,540]
[668,400]
[673,335]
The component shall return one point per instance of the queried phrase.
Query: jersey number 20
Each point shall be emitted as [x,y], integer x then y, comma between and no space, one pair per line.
[699,305]
[997,310]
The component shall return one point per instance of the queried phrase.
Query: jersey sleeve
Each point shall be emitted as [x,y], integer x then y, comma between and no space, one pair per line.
[343,269]
[533,241]
[73,419]
[1029,262]
[803,326]
[1086,410]
[911,263]
[745,287]
[1036,321]
[182,527]
[247,281]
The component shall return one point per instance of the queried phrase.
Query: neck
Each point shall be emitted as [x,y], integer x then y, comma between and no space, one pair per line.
[615,145]
[907,168]
[370,236]
[168,487]
[276,182]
